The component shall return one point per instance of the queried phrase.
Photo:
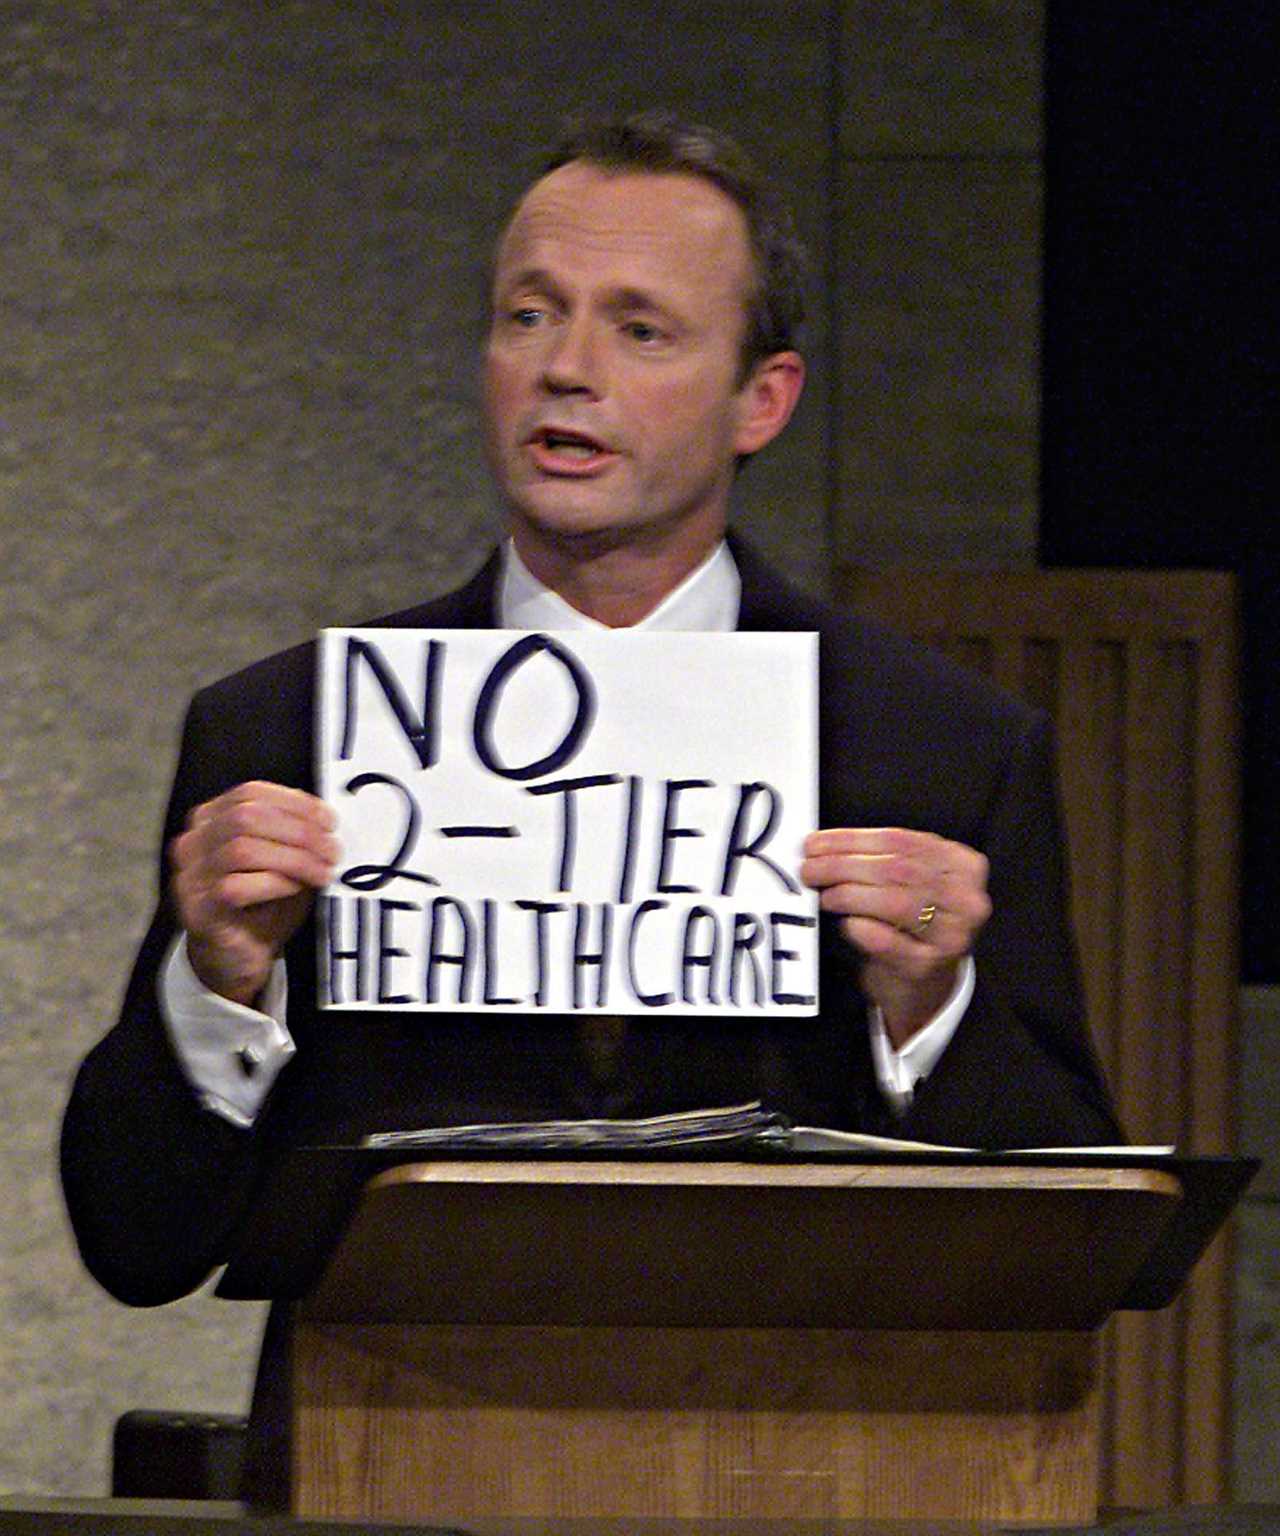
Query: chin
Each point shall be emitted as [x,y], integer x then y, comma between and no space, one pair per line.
[565,517]
[583,534]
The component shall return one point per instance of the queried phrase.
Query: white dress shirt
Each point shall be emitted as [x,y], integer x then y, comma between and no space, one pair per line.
[232,1054]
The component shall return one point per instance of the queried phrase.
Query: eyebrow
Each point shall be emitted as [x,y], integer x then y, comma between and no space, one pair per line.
[528,277]
[540,279]
[637,298]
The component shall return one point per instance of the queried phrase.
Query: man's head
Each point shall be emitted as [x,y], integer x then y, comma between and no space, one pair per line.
[644,305]
[661,143]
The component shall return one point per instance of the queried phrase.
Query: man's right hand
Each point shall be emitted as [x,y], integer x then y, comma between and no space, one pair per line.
[245,872]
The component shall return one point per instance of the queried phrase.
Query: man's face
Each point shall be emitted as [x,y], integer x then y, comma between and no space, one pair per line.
[613,395]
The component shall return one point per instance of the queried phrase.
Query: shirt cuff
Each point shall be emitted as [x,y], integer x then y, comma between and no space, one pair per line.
[231,1054]
[898,1071]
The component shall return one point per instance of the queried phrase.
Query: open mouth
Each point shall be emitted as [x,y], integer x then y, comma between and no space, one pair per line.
[562,446]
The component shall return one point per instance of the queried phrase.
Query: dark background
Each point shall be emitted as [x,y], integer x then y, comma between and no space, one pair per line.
[1159,410]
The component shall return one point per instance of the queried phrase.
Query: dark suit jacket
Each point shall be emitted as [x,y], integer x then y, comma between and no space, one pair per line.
[156,1185]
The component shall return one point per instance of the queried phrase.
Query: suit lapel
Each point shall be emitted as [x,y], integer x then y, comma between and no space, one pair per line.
[768,602]
[472,606]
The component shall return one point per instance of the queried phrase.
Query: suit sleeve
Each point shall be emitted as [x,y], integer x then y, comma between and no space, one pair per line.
[1021,1070]
[154,1183]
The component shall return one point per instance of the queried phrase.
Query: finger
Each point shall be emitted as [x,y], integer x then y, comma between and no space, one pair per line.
[895,905]
[925,879]
[890,948]
[219,872]
[921,912]
[935,869]
[880,854]
[299,802]
[252,888]
[897,925]
[855,840]
[963,894]
[859,869]
[206,908]
[266,810]
[209,852]
[901,842]
[252,814]
[260,855]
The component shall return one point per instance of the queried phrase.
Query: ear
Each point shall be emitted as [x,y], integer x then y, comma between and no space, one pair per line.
[767,399]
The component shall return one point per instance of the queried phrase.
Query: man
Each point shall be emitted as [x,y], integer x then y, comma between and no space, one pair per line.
[641,345]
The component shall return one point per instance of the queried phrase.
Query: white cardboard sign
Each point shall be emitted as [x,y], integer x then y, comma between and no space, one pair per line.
[605,822]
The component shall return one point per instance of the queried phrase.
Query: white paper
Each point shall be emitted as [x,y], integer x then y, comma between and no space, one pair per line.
[605,822]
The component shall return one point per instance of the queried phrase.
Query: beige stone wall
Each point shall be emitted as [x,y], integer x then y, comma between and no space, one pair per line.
[938,239]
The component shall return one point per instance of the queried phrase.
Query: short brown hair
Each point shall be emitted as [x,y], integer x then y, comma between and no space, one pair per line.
[662,143]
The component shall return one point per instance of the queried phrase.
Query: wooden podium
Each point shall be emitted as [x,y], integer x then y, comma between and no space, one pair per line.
[694,1340]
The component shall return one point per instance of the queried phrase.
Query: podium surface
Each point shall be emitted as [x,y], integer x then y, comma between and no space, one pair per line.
[725,1244]
[696,1340]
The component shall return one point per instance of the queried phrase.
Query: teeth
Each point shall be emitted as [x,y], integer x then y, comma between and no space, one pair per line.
[574,447]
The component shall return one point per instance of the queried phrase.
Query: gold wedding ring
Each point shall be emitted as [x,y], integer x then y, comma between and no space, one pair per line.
[925,916]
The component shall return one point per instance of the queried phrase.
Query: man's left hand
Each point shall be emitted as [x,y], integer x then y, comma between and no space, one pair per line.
[911,903]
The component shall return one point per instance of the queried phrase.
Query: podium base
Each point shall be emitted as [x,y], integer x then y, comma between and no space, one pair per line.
[439,1423]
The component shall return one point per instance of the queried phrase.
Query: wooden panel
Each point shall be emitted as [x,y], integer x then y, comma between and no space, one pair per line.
[1149,1081]
[1142,686]
[455,1423]
[1088,717]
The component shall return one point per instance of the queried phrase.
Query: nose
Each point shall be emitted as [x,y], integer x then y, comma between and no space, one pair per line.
[572,364]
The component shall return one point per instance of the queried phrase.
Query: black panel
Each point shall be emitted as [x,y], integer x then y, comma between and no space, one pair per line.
[1159,413]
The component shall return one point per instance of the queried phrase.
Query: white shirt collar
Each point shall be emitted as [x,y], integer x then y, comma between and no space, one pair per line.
[707,599]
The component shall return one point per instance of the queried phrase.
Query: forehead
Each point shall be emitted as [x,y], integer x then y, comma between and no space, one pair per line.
[664,230]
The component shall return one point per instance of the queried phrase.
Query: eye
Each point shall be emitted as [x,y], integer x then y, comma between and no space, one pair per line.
[643,331]
[526,316]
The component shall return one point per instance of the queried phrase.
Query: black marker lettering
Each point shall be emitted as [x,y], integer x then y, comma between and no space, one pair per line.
[388,951]
[596,959]
[748,933]
[626,875]
[569,815]
[487,703]
[670,831]
[777,955]
[691,958]
[540,909]
[372,877]
[742,845]
[420,731]
[339,958]
[649,999]
[438,955]
[489,927]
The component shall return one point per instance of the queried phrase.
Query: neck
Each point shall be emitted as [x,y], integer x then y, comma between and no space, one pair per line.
[614,584]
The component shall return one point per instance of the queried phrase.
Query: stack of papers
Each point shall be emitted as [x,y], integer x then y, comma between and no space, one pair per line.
[745,1126]
[741,1124]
